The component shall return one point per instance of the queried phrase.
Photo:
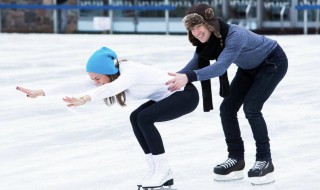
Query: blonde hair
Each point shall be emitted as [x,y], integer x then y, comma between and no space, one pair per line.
[121,97]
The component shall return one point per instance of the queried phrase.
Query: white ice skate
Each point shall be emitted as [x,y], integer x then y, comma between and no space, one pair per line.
[162,175]
[150,165]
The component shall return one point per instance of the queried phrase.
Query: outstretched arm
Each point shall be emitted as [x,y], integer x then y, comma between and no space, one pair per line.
[76,101]
[70,100]
[31,93]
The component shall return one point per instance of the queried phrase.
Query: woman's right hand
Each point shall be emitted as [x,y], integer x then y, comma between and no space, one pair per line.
[31,93]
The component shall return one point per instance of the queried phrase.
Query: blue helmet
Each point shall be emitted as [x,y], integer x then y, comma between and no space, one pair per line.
[101,62]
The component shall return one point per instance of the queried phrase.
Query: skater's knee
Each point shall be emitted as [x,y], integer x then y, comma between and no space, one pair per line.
[251,111]
[143,118]
[134,117]
[227,110]
[223,108]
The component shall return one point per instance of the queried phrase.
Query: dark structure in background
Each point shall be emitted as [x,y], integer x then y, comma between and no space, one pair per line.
[261,16]
[34,21]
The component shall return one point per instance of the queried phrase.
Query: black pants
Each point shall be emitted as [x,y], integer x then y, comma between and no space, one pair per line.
[172,107]
[252,88]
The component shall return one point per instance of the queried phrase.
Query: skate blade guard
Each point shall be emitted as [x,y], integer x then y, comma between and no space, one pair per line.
[236,175]
[263,180]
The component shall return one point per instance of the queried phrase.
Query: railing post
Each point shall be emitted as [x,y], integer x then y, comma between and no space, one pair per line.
[225,9]
[294,13]
[284,6]
[260,7]
[305,19]
[0,22]
[166,2]
[55,19]
[317,18]
[248,15]
[135,17]
[111,17]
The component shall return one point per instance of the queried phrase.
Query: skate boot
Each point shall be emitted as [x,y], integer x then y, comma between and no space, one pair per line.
[162,175]
[150,171]
[231,169]
[261,173]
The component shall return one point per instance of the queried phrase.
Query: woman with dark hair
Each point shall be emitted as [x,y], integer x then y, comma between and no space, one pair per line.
[116,81]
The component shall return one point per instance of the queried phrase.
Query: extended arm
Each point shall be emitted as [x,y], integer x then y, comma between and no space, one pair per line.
[31,93]
[76,101]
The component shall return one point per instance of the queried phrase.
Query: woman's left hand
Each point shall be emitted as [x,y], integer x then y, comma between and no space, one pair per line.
[177,82]
[74,101]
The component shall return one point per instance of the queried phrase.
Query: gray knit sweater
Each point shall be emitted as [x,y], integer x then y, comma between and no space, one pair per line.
[242,47]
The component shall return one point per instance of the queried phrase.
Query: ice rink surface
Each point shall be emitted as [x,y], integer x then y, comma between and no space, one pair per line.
[46,146]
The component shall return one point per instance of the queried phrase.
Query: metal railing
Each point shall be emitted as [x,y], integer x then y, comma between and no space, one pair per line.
[283,9]
[165,8]
[87,7]
[305,9]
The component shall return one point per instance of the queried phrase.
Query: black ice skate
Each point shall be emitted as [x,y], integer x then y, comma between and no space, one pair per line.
[261,173]
[231,169]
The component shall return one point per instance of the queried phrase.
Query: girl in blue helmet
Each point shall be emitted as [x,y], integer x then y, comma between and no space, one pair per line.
[114,81]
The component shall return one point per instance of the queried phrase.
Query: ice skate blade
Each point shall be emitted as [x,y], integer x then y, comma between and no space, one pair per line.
[160,188]
[233,176]
[167,187]
[167,183]
[264,180]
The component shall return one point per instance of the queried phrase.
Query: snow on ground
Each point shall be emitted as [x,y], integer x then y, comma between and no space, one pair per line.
[46,146]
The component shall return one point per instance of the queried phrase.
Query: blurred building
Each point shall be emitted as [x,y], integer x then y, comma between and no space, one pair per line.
[263,16]
[31,20]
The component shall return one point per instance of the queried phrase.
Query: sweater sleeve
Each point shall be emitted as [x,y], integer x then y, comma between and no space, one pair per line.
[234,43]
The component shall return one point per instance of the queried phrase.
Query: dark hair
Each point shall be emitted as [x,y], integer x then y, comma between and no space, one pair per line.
[119,98]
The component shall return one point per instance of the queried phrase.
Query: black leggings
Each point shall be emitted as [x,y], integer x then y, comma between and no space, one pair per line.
[143,118]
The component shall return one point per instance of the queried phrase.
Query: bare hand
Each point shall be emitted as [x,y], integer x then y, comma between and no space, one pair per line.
[177,82]
[75,101]
[31,93]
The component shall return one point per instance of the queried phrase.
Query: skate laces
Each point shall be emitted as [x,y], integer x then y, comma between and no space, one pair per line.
[259,165]
[229,163]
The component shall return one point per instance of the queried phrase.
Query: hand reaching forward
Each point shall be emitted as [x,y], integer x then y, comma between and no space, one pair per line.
[76,101]
[31,93]
[177,82]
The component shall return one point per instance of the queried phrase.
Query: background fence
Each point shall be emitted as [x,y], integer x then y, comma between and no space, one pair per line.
[157,16]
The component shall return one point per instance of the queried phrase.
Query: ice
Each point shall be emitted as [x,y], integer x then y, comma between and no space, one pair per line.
[46,146]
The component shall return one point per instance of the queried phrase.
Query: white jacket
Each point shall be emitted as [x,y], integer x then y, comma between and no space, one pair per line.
[138,81]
